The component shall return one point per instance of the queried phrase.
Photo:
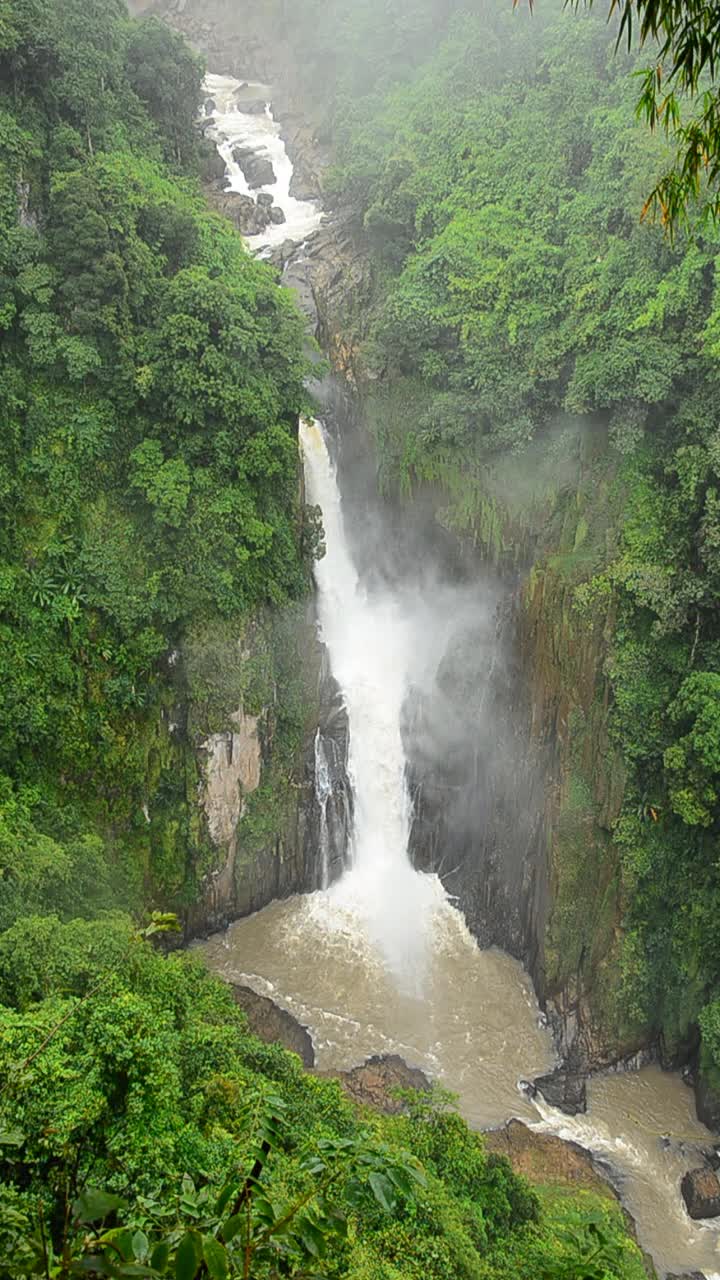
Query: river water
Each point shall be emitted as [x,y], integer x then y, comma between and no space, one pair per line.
[382,961]
[233,127]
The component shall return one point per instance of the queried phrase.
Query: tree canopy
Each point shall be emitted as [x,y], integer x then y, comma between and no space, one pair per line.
[151,376]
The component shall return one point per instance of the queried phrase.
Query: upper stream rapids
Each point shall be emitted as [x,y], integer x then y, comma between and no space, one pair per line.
[382,961]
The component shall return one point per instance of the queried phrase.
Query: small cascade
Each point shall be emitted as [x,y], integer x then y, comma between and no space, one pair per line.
[258,167]
[332,825]
[323,791]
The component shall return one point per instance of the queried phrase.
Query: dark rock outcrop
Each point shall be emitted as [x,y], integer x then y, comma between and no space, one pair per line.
[212,165]
[275,1025]
[564,1089]
[256,167]
[701,1193]
[707,1103]
[375,1083]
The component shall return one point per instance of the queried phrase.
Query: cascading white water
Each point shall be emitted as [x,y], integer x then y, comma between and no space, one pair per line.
[323,791]
[370,639]
[232,126]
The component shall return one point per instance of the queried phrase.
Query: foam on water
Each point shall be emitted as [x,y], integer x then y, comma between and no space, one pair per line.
[233,127]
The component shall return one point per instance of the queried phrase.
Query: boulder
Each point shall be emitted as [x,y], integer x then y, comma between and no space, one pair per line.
[374,1084]
[257,168]
[563,1089]
[212,165]
[707,1103]
[242,210]
[274,1025]
[701,1193]
[277,216]
[210,106]
[264,198]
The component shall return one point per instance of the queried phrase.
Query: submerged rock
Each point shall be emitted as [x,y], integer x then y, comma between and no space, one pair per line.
[563,1089]
[275,1025]
[701,1193]
[250,106]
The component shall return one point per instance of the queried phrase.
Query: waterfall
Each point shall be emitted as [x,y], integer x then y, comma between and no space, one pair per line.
[323,792]
[371,639]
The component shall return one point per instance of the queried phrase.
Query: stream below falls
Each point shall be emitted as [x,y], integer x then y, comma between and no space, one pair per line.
[381,961]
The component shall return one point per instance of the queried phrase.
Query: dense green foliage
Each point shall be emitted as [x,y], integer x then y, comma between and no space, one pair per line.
[142,1126]
[680,95]
[524,329]
[151,377]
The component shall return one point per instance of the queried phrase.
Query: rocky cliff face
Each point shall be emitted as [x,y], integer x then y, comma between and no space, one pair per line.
[516,800]
[258,705]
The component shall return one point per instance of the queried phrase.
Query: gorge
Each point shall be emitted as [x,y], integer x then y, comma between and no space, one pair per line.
[455,804]
[381,961]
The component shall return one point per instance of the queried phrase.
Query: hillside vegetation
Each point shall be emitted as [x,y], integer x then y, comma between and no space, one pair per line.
[151,377]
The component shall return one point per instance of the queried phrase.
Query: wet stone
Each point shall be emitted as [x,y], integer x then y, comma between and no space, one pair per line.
[701,1193]
[563,1089]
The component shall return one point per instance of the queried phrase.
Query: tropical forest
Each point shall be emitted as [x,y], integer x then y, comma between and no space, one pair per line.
[360,639]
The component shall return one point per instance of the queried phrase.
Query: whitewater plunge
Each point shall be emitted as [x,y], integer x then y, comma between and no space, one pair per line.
[371,642]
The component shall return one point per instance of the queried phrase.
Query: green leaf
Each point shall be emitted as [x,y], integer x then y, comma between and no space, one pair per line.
[188,1256]
[382,1191]
[160,1256]
[141,1246]
[215,1258]
[93,1204]
[224,1196]
[11,1137]
[230,1228]
[312,1238]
